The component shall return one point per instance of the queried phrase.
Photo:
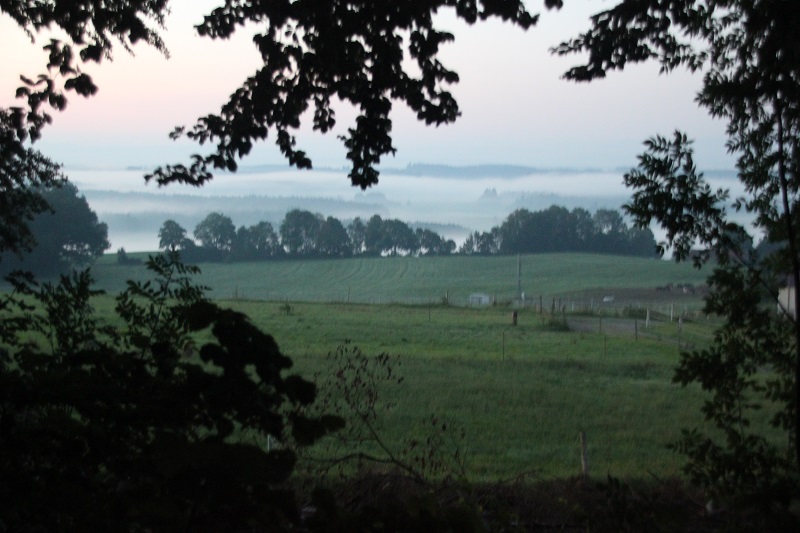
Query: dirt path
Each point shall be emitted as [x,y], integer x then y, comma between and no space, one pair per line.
[627,327]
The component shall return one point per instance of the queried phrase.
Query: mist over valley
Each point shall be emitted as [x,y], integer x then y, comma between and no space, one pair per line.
[453,201]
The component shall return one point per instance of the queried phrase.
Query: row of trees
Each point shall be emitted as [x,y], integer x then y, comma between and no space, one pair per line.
[556,229]
[306,234]
[300,234]
[69,234]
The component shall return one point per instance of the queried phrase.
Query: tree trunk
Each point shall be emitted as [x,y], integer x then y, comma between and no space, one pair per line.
[791,234]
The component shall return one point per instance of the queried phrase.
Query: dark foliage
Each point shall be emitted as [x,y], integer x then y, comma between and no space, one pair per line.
[23,175]
[300,232]
[389,237]
[332,239]
[316,52]
[557,230]
[124,259]
[66,235]
[304,234]
[431,243]
[313,53]
[751,62]
[91,28]
[106,428]
[256,242]
[216,232]
[172,236]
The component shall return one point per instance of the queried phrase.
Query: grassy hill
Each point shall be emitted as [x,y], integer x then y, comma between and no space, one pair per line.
[575,279]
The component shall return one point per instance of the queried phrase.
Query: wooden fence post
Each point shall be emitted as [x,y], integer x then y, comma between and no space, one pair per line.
[584,457]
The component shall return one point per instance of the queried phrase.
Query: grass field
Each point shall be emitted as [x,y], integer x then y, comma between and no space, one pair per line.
[577,279]
[522,393]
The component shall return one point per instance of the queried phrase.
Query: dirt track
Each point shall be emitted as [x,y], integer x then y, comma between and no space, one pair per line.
[624,327]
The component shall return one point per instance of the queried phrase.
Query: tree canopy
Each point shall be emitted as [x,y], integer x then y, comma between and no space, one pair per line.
[313,54]
[216,232]
[256,242]
[748,53]
[66,235]
[171,236]
[92,29]
[113,427]
[316,52]
[299,231]
[304,234]
[556,229]
[23,172]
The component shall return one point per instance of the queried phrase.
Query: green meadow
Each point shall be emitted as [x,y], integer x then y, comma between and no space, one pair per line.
[522,394]
[425,280]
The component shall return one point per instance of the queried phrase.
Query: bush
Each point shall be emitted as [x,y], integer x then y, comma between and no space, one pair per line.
[110,428]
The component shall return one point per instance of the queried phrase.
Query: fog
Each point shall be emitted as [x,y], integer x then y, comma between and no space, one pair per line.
[452,205]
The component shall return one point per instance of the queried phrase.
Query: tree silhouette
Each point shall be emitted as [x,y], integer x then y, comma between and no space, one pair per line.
[23,174]
[356,232]
[431,243]
[374,236]
[751,62]
[313,53]
[89,32]
[113,427]
[91,28]
[300,232]
[358,51]
[67,235]
[332,240]
[557,230]
[171,236]
[368,54]
[399,238]
[216,232]
[256,242]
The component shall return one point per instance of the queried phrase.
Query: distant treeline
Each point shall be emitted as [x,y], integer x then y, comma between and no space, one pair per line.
[556,229]
[303,234]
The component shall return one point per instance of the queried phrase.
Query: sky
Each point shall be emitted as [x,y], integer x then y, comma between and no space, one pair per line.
[515,107]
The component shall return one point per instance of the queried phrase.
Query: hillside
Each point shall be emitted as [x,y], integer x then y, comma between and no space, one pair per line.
[576,278]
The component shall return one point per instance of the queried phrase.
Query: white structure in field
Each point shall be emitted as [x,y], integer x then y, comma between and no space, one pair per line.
[479,298]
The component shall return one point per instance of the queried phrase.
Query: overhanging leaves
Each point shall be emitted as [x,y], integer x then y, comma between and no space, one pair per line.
[317,52]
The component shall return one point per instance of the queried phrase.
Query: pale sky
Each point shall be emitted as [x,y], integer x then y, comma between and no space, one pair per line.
[515,108]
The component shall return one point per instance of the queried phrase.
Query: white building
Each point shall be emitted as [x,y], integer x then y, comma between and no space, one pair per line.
[786,298]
